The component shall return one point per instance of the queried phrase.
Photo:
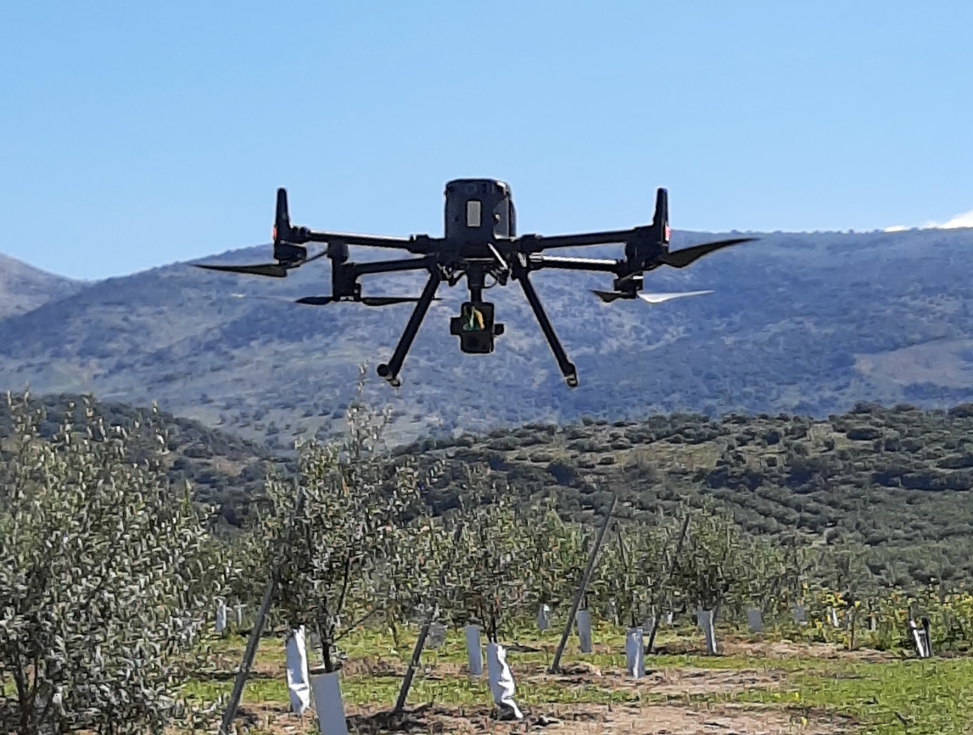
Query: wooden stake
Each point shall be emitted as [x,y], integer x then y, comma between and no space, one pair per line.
[669,572]
[556,664]
[432,608]
[258,626]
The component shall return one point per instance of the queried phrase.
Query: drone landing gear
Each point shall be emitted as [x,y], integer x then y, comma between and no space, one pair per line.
[390,370]
[568,370]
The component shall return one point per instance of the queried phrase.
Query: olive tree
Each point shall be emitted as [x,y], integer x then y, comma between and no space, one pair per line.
[632,569]
[554,554]
[346,532]
[712,568]
[488,582]
[102,566]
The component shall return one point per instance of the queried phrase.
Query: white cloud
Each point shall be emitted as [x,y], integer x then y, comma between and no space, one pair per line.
[960,220]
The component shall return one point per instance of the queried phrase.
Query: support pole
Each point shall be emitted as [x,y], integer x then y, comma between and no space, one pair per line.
[556,664]
[433,609]
[414,661]
[668,577]
[258,626]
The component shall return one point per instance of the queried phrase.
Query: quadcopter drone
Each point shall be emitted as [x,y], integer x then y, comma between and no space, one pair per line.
[480,243]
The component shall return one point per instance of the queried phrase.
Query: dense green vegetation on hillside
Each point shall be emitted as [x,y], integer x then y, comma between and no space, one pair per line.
[222,468]
[898,482]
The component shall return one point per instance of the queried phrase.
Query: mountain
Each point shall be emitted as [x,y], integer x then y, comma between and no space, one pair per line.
[23,288]
[808,323]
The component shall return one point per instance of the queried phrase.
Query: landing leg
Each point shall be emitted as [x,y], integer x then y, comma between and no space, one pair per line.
[567,367]
[390,370]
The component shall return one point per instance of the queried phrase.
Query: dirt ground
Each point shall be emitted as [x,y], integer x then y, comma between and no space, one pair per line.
[566,720]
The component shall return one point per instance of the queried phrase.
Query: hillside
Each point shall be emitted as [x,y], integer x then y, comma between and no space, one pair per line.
[222,468]
[896,482]
[800,323]
[24,288]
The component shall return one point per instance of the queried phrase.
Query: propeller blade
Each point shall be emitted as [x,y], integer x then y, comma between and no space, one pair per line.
[365,301]
[682,258]
[659,298]
[609,296]
[272,270]
[388,300]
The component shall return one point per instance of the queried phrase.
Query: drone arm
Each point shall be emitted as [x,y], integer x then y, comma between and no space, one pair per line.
[537,243]
[420,244]
[391,266]
[574,264]
[390,370]
[568,370]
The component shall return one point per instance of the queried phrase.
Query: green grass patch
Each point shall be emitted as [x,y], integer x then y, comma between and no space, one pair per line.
[916,697]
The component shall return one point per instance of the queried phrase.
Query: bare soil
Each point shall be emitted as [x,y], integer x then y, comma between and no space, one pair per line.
[564,720]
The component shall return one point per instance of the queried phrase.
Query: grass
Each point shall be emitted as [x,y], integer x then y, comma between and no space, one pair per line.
[932,696]
[885,696]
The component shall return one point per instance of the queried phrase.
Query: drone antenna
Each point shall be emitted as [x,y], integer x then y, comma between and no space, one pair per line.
[660,221]
[282,218]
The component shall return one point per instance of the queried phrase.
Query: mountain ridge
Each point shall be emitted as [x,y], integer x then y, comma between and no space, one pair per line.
[806,323]
[24,288]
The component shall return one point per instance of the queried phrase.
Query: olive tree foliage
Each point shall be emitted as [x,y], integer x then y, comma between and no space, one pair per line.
[488,582]
[632,567]
[555,552]
[103,568]
[713,566]
[418,571]
[352,526]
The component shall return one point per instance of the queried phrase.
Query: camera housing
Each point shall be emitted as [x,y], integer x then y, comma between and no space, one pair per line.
[475,328]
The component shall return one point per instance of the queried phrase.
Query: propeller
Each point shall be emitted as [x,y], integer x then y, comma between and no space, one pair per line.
[288,252]
[661,298]
[649,298]
[609,296]
[273,270]
[682,258]
[365,300]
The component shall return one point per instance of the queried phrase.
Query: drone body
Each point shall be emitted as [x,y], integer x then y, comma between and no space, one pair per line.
[480,243]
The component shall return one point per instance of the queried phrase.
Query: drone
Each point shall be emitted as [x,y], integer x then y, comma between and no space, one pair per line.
[482,245]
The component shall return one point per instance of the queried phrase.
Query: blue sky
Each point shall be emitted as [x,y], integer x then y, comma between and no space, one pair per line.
[136,134]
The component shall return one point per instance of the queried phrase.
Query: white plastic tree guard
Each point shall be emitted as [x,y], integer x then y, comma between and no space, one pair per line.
[502,683]
[755,621]
[239,608]
[220,617]
[833,616]
[799,615]
[474,650]
[704,618]
[583,619]
[437,635]
[634,653]
[328,704]
[298,682]
[543,618]
[920,637]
